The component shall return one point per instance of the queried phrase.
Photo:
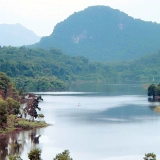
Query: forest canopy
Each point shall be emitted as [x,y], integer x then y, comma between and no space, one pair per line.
[51,70]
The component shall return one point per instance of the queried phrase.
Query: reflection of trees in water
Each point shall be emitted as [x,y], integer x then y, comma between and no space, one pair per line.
[34,135]
[15,143]
[16,148]
[4,147]
[154,104]
[155,99]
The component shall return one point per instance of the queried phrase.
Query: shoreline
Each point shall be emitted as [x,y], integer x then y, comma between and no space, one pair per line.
[21,124]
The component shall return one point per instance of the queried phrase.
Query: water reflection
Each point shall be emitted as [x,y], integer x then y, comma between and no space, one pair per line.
[4,146]
[34,137]
[14,143]
[154,104]
[121,114]
[155,99]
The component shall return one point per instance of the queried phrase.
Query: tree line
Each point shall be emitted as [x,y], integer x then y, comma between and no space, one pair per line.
[51,70]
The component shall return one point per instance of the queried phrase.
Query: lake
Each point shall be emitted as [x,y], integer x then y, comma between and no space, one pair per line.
[94,122]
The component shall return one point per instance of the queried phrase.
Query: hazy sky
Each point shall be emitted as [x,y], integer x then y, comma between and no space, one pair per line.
[41,16]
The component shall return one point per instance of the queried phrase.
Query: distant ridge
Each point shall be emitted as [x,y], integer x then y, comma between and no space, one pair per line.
[104,34]
[16,35]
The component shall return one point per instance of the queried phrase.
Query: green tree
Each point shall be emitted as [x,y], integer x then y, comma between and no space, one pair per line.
[14,157]
[35,154]
[63,156]
[152,90]
[157,91]
[13,106]
[150,156]
[4,81]
[3,112]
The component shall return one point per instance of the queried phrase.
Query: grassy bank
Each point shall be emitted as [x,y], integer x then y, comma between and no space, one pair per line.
[18,124]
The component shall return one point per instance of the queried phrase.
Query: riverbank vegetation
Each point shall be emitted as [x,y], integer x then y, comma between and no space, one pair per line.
[35,154]
[17,110]
[154,90]
[18,124]
[150,156]
[51,70]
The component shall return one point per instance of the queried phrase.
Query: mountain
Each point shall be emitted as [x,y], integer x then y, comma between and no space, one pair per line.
[104,34]
[16,35]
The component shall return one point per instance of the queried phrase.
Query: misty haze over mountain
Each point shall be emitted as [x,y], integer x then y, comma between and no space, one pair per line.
[16,35]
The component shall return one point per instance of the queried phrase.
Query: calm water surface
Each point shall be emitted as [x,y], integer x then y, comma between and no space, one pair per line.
[108,122]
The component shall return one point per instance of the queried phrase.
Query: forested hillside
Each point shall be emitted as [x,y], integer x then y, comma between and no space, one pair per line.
[40,70]
[101,33]
[51,70]
[145,69]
